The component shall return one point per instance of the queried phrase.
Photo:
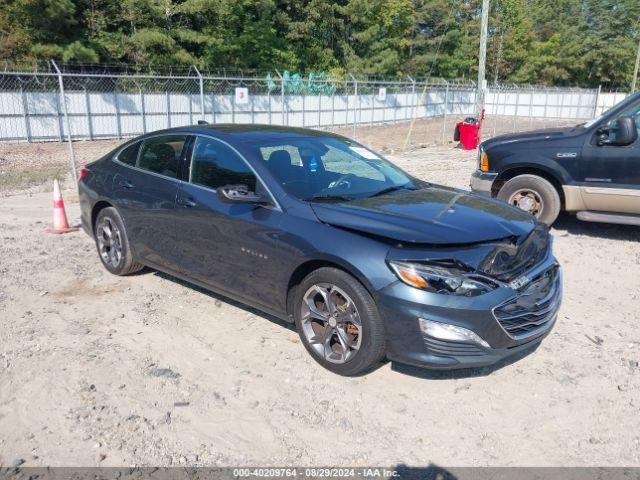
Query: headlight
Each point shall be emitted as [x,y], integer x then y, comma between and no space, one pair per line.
[483,160]
[438,279]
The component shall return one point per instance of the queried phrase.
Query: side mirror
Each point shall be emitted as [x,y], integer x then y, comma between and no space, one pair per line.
[624,133]
[240,194]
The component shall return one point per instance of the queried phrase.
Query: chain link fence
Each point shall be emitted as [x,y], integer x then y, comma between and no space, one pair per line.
[53,102]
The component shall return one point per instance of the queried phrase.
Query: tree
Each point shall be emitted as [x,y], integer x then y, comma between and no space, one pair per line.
[555,42]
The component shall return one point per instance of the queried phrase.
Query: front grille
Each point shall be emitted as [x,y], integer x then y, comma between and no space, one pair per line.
[534,307]
[509,260]
[450,348]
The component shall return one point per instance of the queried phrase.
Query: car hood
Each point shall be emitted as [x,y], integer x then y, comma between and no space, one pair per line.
[433,215]
[546,135]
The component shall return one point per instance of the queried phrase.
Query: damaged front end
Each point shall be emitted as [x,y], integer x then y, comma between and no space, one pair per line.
[472,269]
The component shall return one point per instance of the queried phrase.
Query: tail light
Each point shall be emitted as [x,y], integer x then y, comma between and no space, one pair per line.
[83,173]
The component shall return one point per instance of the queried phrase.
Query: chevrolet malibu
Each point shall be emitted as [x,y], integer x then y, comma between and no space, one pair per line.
[318,230]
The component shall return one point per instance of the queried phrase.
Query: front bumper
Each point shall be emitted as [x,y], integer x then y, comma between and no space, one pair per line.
[482,182]
[402,306]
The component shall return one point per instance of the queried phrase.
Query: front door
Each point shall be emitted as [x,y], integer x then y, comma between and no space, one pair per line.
[231,246]
[146,187]
[611,174]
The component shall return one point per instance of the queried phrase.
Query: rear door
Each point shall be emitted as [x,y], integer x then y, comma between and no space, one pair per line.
[145,190]
[612,173]
[231,246]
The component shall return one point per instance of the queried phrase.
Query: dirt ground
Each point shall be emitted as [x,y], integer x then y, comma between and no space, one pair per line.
[147,370]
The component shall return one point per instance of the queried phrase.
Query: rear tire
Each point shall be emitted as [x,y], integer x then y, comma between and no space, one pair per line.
[112,243]
[345,333]
[533,194]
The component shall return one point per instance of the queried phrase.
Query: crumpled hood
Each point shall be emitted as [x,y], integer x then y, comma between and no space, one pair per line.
[545,134]
[433,215]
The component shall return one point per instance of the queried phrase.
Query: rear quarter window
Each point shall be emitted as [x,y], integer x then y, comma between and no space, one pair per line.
[129,155]
[162,154]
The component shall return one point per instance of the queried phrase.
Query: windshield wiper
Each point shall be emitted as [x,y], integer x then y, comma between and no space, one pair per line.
[391,189]
[320,198]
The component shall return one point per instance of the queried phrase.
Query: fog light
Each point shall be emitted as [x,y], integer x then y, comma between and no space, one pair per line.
[444,331]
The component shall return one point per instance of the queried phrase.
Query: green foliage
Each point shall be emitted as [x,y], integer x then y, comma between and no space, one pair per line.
[555,42]
[76,52]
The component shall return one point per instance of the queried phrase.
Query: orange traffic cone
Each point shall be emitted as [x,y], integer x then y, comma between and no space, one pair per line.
[60,223]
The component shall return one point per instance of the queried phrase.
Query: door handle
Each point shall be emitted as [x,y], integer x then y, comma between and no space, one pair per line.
[126,184]
[187,202]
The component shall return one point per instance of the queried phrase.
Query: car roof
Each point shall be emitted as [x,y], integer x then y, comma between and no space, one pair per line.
[235,132]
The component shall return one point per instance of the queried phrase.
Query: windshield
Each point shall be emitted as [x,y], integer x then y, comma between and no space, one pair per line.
[328,168]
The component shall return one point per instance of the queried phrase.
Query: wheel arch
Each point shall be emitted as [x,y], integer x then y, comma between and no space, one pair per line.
[95,210]
[305,268]
[542,172]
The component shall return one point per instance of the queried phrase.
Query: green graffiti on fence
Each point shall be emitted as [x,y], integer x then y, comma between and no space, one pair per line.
[315,84]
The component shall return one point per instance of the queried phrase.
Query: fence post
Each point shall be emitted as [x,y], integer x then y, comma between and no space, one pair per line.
[143,114]
[515,112]
[253,109]
[72,157]
[530,107]
[304,96]
[374,99]
[355,91]
[281,96]
[233,109]
[346,108]
[168,102]
[444,113]
[496,107]
[561,109]
[413,95]
[88,104]
[595,106]
[115,104]
[213,108]
[59,120]
[201,81]
[25,113]
[395,105]
[333,108]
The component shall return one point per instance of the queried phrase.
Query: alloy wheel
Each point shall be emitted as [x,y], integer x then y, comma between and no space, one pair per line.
[331,323]
[109,242]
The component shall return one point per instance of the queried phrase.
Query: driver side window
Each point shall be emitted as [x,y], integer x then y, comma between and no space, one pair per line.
[634,112]
[214,164]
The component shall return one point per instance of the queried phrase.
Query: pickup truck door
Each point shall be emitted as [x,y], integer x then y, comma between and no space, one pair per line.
[611,174]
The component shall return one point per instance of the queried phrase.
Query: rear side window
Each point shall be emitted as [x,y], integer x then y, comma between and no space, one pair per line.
[129,155]
[214,165]
[162,154]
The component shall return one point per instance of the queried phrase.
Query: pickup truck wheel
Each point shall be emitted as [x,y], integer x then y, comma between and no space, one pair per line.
[532,194]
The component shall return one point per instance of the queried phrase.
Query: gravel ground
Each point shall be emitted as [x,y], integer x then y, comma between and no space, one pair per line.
[147,370]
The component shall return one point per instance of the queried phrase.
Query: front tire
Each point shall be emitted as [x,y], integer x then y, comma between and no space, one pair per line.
[113,244]
[532,194]
[338,322]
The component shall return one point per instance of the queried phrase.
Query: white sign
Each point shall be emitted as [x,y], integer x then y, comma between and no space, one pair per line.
[242,95]
[363,152]
[382,94]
